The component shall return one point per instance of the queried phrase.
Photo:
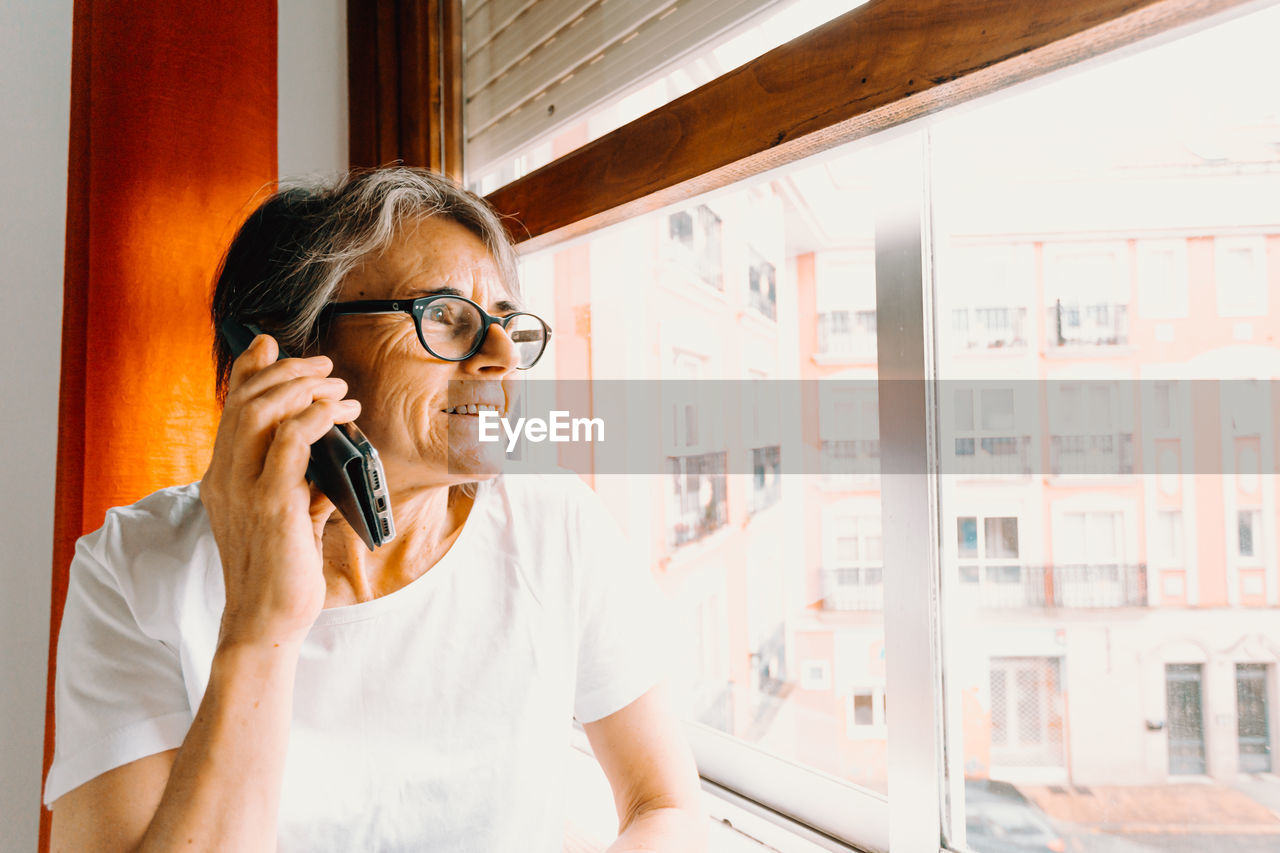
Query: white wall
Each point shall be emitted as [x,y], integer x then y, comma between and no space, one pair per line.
[35,64]
[312,87]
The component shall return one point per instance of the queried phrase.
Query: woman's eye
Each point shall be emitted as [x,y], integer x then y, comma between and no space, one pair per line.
[438,315]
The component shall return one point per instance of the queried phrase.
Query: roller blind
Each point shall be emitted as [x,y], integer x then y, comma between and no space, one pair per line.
[532,66]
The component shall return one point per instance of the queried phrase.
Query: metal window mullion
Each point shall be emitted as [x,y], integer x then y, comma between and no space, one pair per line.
[909,497]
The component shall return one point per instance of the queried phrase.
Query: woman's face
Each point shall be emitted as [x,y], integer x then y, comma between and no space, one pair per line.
[404,390]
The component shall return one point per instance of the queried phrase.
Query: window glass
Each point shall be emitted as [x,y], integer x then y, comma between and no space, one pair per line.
[765,531]
[1104,604]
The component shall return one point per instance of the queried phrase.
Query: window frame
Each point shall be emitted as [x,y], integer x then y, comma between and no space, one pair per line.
[1237,305]
[861,76]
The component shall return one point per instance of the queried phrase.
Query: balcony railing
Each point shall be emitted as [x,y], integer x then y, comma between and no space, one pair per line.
[847,333]
[991,328]
[850,459]
[853,588]
[1066,586]
[979,455]
[1106,454]
[1081,587]
[1097,324]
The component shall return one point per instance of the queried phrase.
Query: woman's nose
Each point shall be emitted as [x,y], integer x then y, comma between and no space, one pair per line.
[497,355]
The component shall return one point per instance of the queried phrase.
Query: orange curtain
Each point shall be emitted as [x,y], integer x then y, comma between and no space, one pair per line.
[173,130]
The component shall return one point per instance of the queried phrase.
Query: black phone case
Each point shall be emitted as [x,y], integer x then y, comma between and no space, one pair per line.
[343,464]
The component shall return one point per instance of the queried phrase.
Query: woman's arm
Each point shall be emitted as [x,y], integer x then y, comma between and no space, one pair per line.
[655,783]
[221,789]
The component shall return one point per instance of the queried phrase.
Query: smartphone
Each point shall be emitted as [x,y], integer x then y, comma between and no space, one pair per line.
[343,464]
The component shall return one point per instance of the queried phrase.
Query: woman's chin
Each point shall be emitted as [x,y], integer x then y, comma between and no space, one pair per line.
[470,457]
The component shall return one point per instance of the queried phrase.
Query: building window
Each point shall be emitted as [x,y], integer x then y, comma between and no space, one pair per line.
[1166,539]
[695,236]
[815,675]
[1089,430]
[762,292]
[845,292]
[854,576]
[986,438]
[697,505]
[1165,415]
[766,479]
[1248,524]
[989,565]
[1240,273]
[1087,296]
[1164,291]
[850,430]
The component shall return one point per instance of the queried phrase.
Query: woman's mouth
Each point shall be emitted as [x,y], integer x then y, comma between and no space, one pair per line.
[471,409]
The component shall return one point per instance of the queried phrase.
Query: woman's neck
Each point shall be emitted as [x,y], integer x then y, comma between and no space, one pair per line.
[427,520]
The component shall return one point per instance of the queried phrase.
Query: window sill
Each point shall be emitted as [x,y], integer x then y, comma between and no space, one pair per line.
[591,821]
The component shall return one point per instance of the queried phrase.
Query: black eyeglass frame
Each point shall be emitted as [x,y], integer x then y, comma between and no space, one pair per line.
[417,308]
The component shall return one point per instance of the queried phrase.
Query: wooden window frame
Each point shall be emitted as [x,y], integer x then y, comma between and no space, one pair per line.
[404,78]
[876,67]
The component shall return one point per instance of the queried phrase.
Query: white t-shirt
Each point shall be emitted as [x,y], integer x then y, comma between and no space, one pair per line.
[433,718]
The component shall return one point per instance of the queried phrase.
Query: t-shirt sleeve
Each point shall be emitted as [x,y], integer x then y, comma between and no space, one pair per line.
[624,619]
[119,694]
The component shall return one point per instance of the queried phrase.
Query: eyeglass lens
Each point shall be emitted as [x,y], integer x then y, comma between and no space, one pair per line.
[451,327]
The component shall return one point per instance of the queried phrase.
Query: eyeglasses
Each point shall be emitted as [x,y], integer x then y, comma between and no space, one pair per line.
[453,328]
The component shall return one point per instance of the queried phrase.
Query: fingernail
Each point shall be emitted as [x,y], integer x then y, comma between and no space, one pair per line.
[353,405]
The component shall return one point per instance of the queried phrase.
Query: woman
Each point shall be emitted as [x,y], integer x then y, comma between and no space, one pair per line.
[237,671]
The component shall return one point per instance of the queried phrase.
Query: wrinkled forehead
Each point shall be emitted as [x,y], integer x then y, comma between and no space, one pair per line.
[430,256]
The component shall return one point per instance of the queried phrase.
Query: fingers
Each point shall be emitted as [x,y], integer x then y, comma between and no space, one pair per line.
[262,351]
[290,450]
[257,419]
[256,370]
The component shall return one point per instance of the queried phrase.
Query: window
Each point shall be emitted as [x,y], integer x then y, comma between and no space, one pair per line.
[1091,428]
[1240,275]
[845,291]
[762,293]
[766,474]
[1038,169]
[1165,415]
[992,569]
[694,237]
[987,436]
[1163,279]
[1166,538]
[854,579]
[698,496]
[1086,290]
[850,434]
[1248,525]
[991,287]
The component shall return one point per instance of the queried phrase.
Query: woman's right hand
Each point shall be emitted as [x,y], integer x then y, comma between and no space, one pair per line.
[267,519]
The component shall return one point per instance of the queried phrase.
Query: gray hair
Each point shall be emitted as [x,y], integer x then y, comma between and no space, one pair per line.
[290,257]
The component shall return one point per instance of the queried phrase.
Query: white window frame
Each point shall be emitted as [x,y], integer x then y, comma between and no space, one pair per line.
[1163,300]
[1257,558]
[1176,558]
[1252,302]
